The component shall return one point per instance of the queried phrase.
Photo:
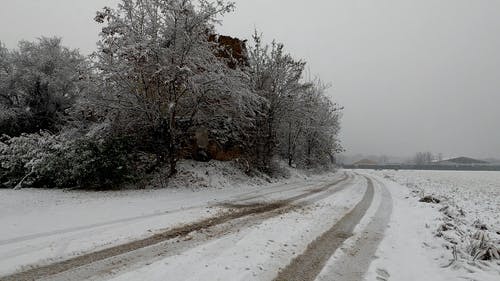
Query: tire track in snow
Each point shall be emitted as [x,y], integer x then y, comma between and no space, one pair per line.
[237,212]
[354,265]
[91,226]
[309,264]
[240,198]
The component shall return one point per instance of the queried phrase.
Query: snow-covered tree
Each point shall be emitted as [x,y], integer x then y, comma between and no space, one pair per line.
[5,74]
[39,82]
[300,123]
[276,76]
[156,57]
[321,132]
[308,132]
[161,82]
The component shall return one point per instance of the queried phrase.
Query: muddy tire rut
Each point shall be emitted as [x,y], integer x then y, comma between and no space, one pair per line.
[309,264]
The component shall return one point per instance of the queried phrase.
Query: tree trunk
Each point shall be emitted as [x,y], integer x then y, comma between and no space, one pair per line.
[172,142]
[173,162]
[269,143]
[290,155]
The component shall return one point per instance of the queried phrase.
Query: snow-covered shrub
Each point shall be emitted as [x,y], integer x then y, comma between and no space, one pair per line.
[55,161]
[482,247]
[13,121]
[18,156]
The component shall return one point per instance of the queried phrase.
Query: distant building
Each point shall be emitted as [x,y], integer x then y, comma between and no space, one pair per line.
[462,161]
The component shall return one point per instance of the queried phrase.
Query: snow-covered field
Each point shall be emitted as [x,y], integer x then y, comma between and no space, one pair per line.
[456,235]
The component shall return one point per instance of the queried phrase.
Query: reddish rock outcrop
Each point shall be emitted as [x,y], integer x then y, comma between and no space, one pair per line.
[233,50]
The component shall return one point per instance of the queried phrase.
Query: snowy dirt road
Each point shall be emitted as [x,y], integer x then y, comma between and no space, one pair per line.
[292,231]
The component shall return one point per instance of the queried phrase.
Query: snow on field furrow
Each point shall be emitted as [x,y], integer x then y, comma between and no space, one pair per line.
[470,204]
[476,192]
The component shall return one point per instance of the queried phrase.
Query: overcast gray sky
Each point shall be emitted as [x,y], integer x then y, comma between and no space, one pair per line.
[412,75]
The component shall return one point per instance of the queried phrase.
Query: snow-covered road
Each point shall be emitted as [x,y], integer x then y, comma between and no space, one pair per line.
[331,227]
[250,232]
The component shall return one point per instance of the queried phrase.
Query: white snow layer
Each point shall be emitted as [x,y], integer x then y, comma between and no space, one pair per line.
[415,247]
[43,226]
